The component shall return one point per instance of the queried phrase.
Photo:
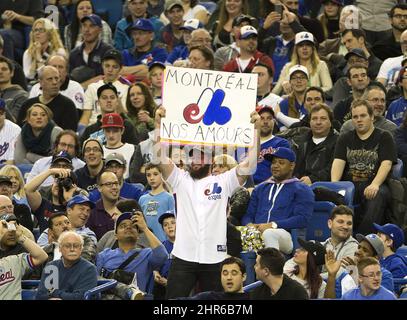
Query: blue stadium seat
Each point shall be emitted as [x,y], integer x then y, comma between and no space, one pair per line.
[25,169]
[111,9]
[251,286]
[317,228]
[397,169]
[249,259]
[345,188]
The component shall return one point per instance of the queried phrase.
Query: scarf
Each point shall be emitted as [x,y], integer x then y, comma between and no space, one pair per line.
[40,145]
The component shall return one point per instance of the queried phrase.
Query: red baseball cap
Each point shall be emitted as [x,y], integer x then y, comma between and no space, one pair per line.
[110,120]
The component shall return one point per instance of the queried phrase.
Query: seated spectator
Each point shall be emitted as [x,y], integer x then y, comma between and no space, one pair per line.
[69,88]
[281,203]
[315,153]
[105,213]
[128,226]
[370,278]
[108,100]
[155,75]
[276,285]
[269,142]
[63,108]
[168,223]
[13,94]
[171,34]
[401,143]
[376,95]
[75,274]
[200,57]
[17,180]
[305,54]
[138,58]
[112,65]
[67,141]
[73,33]
[18,76]
[398,107]
[92,152]
[140,108]
[157,201]
[304,267]
[265,98]
[88,70]
[38,135]
[115,162]
[393,238]
[9,133]
[137,9]
[249,56]
[18,265]
[44,41]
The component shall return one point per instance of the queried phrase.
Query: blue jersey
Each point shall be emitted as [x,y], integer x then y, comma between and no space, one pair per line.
[134,58]
[396,111]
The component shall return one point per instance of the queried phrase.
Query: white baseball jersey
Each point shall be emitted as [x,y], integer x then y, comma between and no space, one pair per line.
[91,97]
[12,269]
[126,150]
[74,91]
[8,137]
[201,215]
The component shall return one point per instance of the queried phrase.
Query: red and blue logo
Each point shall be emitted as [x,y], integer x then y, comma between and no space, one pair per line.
[213,191]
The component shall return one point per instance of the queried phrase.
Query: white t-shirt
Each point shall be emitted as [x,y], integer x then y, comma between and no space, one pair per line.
[8,137]
[74,91]
[126,150]
[91,97]
[201,215]
[190,14]
[389,70]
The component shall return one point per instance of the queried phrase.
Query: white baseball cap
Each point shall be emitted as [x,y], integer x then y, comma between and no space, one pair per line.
[191,25]
[296,68]
[304,36]
[247,31]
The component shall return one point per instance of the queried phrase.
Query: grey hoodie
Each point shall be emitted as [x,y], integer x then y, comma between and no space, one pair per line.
[14,96]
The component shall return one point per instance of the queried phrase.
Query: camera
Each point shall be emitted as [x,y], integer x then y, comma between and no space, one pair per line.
[65,183]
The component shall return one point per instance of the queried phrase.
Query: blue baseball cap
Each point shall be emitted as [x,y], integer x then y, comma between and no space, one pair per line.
[2,104]
[142,24]
[62,155]
[283,153]
[247,32]
[94,18]
[394,232]
[79,199]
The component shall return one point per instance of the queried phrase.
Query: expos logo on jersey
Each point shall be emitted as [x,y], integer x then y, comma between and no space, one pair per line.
[213,191]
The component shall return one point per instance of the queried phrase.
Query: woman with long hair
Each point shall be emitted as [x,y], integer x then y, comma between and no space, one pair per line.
[44,42]
[222,28]
[37,136]
[329,18]
[193,10]
[140,109]
[305,267]
[305,54]
[72,32]
[17,181]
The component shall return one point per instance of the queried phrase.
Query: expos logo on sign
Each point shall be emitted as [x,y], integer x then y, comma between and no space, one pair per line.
[213,191]
[214,112]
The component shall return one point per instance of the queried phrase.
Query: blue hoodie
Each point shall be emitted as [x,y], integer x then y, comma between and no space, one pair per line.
[289,204]
[396,264]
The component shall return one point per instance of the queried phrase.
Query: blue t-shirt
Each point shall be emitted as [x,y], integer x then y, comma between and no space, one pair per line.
[396,111]
[380,294]
[133,58]
[153,207]
[281,56]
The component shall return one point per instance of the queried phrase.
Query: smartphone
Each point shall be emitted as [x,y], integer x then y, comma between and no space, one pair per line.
[279,9]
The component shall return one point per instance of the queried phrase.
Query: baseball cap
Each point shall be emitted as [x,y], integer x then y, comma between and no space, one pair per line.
[247,31]
[79,199]
[281,152]
[296,68]
[338,2]
[191,25]
[165,215]
[62,155]
[156,64]
[357,52]
[2,104]
[114,55]
[106,86]
[121,218]
[142,24]
[94,18]
[242,18]
[5,179]
[169,4]
[315,248]
[304,36]
[115,156]
[112,120]
[264,109]
[394,232]
[374,241]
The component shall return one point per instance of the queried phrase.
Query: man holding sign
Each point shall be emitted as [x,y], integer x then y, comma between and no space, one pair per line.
[202,199]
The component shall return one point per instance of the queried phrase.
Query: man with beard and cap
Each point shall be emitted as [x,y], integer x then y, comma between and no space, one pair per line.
[201,213]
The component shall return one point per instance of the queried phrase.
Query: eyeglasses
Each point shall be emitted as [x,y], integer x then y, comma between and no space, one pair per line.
[372,275]
[400,16]
[66,145]
[123,226]
[110,184]
[70,246]
[40,30]
[299,78]
[93,149]
[377,100]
